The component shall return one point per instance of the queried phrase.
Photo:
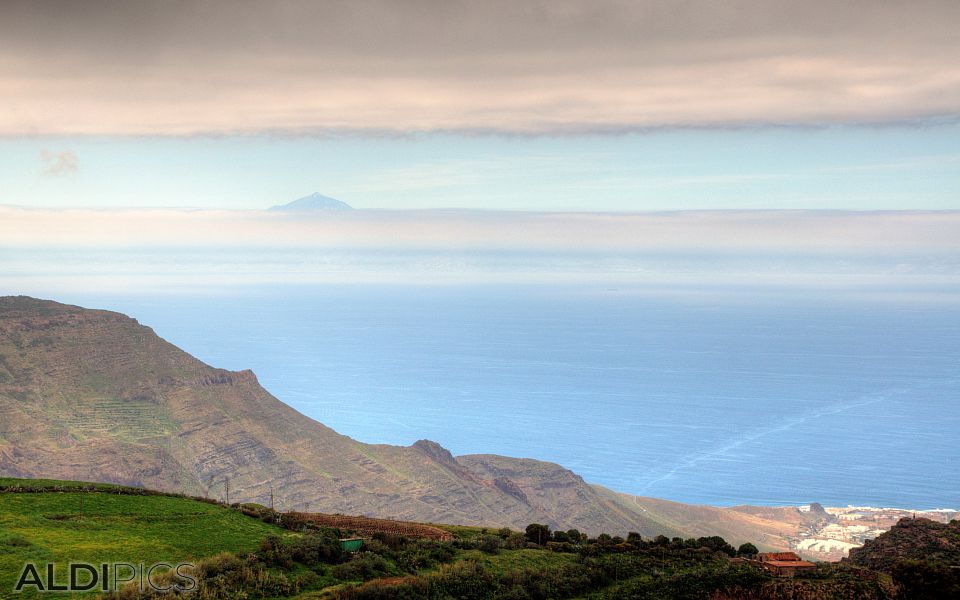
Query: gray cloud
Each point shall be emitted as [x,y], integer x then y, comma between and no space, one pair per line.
[181,68]
[59,163]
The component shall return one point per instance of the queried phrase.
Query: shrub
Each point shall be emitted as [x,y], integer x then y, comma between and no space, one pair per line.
[560,546]
[515,541]
[273,552]
[362,567]
[490,544]
[315,547]
[423,554]
[390,540]
[225,577]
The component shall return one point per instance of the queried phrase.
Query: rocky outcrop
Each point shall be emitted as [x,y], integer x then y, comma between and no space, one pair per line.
[910,539]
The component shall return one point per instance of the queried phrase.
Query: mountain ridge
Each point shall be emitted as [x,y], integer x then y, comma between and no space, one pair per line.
[94,395]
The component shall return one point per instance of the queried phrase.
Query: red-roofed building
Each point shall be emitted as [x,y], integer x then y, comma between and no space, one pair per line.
[785,564]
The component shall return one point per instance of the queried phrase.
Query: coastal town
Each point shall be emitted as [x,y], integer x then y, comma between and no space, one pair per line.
[839,529]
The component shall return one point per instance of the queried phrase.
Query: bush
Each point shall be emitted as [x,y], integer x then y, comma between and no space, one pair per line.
[490,544]
[560,546]
[273,552]
[390,540]
[225,577]
[423,554]
[317,547]
[362,567]
[515,541]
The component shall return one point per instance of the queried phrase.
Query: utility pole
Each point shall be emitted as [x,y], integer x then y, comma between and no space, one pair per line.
[226,487]
[271,496]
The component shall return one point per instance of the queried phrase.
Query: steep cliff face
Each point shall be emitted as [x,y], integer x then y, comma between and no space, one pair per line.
[93,395]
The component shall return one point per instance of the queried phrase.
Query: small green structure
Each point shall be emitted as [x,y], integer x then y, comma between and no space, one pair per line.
[351,544]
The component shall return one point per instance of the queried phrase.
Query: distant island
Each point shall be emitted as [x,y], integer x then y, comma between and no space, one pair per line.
[315,201]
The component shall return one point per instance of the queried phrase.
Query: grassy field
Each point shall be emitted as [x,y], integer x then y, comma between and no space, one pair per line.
[58,484]
[101,526]
[511,560]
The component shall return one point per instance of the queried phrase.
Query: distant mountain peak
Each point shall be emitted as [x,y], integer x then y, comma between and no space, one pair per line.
[315,201]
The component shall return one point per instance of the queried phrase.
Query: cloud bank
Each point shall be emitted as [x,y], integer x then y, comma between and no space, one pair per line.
[290,67]
[777,232]
[47,252]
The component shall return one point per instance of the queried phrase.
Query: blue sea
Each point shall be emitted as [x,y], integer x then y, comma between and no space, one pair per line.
[715,395]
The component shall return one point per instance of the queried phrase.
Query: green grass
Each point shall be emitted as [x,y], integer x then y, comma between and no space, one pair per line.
[466,532]
[519,560]
[58,484]
[52,527]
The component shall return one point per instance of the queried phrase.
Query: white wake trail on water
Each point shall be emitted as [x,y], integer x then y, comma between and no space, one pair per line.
[695,458]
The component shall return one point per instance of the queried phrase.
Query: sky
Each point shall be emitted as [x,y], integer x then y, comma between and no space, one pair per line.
[530,106]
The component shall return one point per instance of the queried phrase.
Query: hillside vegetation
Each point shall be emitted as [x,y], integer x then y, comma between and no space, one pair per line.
[922,556]
[240,556]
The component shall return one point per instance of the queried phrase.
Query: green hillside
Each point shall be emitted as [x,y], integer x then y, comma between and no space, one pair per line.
[100,526]
[238,556]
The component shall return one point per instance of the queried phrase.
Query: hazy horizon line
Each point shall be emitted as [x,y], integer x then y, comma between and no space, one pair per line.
[456,209]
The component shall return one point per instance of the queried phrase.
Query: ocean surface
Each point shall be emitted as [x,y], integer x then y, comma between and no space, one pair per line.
[709,395]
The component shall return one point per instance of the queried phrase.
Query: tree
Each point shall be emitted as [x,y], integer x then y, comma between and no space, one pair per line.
[537,533]
[747,549]
[575,536]
[717,544]
[560,536]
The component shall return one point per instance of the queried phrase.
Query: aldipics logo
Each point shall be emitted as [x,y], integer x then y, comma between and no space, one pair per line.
[106,577]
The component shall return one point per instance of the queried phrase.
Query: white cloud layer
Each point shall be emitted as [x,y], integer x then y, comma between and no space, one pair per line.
[47,252]
[291,67]
[760,232]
